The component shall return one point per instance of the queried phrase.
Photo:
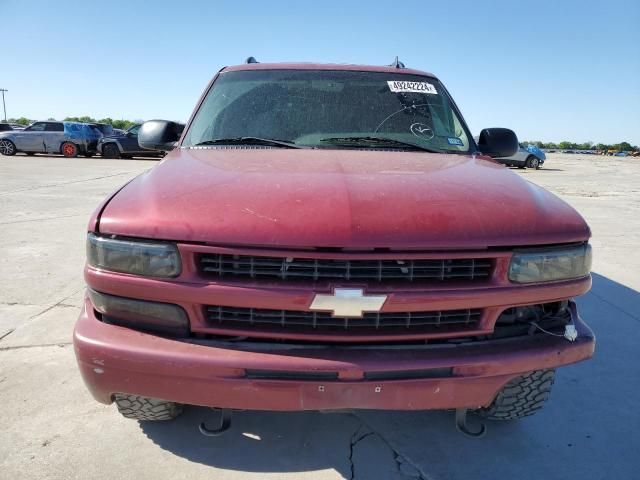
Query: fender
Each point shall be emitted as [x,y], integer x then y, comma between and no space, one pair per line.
[114,140]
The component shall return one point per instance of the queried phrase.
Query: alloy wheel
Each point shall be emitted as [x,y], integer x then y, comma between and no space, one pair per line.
[7,147]
[69,149]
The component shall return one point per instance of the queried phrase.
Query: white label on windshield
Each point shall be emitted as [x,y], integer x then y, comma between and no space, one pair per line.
[412,87]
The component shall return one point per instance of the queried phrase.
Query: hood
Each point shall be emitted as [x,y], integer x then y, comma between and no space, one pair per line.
[536,151]
[338,198]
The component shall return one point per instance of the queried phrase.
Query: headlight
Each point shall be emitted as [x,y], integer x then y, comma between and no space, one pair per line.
[139,258]
[547,265]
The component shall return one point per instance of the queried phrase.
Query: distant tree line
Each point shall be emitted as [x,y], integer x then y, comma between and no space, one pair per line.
[122,124]
[620,147]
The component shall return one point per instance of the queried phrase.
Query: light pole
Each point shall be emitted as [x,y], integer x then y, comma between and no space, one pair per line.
[3,105]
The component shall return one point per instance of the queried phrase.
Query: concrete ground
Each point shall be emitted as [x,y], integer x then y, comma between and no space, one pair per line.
[51,428]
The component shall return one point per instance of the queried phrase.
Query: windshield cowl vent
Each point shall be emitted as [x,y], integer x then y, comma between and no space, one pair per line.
[231,147]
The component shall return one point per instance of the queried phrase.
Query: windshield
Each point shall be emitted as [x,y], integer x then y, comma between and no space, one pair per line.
[330,109]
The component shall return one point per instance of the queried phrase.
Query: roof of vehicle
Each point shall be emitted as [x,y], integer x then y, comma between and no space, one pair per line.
[326,66]
[72,122]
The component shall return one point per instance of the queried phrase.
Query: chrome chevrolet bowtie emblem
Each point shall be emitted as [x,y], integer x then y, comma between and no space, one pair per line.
[348,302]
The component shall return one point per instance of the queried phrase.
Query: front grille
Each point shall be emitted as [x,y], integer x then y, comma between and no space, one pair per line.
[281,268]
[302,321]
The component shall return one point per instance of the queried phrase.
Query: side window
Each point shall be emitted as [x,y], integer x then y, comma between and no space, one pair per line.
[55,127]
[71,128]
[37,127]
[134,130]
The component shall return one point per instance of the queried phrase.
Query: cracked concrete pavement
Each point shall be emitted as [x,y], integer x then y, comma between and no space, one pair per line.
[52,429]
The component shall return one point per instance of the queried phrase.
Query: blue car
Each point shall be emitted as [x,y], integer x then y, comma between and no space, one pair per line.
[527,156]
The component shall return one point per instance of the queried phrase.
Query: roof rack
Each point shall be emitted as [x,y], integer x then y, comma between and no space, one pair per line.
[251,60]
[397,63]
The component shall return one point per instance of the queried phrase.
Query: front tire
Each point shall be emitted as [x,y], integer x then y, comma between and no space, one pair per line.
[146,408]
[7,147]
[69,149]
[533,162]
[521,397]
[110,150]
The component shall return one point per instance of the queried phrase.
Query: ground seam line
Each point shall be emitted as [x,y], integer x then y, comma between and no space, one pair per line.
[423,474]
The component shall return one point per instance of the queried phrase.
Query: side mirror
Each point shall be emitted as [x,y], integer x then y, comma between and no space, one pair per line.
[498,142]
[159,135]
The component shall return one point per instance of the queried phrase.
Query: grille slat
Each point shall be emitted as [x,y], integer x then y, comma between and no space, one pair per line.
[239,317]
[248,266]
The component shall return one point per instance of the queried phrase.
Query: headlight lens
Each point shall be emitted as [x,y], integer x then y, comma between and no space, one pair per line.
[550,264]
[139,258]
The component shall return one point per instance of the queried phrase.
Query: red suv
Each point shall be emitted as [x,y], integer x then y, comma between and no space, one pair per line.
[330,237]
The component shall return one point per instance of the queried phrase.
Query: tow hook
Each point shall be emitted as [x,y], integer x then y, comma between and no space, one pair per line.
[225,424]
[462,427]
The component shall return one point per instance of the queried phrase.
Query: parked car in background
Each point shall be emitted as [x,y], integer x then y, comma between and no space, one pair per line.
[125,145]
[5,127]
[17,126]
[527,156]
[105,128]
[68,138]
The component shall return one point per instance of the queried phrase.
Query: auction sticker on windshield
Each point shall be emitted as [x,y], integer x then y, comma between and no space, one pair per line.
[411,87]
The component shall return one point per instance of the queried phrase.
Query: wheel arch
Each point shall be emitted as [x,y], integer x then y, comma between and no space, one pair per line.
[115,142]
[13,142]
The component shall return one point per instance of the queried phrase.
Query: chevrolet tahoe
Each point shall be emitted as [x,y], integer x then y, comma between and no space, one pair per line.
[325,237]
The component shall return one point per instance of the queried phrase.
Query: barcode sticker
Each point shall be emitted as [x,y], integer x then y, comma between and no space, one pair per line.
[411,87]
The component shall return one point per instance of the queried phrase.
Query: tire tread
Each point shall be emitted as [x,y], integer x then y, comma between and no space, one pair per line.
[521,397]
[146,408]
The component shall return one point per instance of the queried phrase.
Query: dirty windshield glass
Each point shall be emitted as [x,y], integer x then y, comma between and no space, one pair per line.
[329,109]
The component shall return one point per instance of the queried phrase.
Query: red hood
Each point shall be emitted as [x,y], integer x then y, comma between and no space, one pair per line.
[338,198]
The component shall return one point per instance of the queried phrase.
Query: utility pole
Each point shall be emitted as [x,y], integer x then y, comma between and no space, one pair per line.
[3,105]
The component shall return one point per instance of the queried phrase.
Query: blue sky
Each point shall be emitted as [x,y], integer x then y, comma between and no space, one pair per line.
[550,70]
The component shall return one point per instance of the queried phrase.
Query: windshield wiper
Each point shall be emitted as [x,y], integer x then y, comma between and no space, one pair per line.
[249,141]
[370,140]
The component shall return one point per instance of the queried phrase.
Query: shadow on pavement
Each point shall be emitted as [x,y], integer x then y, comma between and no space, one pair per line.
[541,169]
[588,430]
[261,441]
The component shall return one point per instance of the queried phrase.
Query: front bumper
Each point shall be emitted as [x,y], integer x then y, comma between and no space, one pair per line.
[114,359]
